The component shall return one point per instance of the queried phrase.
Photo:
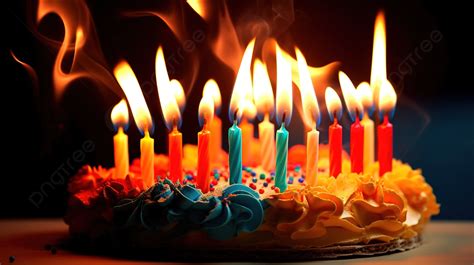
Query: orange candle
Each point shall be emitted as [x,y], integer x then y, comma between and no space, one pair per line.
[211,89]
[175,152]
[206,113]
[172,103]
[119,117]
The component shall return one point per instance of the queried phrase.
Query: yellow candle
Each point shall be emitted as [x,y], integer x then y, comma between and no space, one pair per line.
[215,128]
[368,141]
[247,140]
[312,156]
[266,132]
[147,160]
[121,154]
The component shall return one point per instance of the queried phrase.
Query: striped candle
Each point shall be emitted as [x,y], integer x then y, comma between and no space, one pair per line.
[235,154]
[281,158]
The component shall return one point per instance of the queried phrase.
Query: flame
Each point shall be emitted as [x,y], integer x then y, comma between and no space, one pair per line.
[179,95]
[311,115]
[354,107]
[119,114]
[211,88]
[387,99]
[167,93]
[129,83]
[284,93]
[206,110]
[242,92]
[378,72]
[262,90]
[365,95]
[81,40]
[333,104]
[199,7]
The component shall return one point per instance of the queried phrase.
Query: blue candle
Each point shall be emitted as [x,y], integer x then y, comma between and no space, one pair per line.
[235,154]
[281,158]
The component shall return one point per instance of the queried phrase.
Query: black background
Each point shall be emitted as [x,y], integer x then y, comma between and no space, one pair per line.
[434,121]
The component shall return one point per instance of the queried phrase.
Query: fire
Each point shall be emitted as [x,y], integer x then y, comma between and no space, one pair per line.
[242,93]
[167,93]
[333,104]
[80,40]
[179,95]
[387,99]
[379,64]
[350,97]
[211,88]
[119,114]
[262,90]
[365,95]
[199,7]
[129,83]
[206,110]
[308,97]
[284,93]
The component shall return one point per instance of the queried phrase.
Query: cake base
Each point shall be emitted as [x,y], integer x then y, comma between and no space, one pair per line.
[254,255]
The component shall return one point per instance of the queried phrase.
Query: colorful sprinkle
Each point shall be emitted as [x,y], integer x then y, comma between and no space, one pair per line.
[262,176]
[301,180]
[261,191]
[265,184]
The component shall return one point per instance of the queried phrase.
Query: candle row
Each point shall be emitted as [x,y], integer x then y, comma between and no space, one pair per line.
[252,98]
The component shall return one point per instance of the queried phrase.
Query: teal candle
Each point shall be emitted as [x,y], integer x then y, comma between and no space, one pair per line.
[281,158]
[235,154]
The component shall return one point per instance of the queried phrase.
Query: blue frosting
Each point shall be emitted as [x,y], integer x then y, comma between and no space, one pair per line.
[167,206]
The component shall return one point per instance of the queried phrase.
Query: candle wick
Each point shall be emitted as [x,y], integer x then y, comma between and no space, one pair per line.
[235,115]
[283,118]
[335,118]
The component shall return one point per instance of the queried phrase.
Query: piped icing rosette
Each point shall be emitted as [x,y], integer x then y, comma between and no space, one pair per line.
[178,209]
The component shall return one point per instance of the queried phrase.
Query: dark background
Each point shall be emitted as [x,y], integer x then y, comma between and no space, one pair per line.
[434,120]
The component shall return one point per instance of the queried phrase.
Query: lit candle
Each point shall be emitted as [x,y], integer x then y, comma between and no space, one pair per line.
[129,83]
[387,102]
[364,93]
[214,125]
[206,113]
[355,111]
[241,90]
[119,117]
[311,118]
[334,106]
[378,73]
[172,103]
[284,108]
[265,103]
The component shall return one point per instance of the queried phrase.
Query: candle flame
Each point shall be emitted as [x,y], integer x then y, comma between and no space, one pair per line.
[387,99]
[167,92]
[119,115]
[129,83]
[333,103]
[365,95]
[179,95]
[242,91]
[284,92]
[206,110]
[199,7]
[211,88]
[311,114]
[354,107]
[379,64]
[262,90]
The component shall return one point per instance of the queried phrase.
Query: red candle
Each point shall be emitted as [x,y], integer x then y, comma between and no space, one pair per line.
[175,152]
[357,146]
[385,146]
[335,148]
[204,165]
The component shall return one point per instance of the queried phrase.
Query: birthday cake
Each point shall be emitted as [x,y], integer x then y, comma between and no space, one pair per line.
[353,214]
[261,199]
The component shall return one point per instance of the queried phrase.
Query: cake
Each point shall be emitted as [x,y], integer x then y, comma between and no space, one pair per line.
[348,215]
